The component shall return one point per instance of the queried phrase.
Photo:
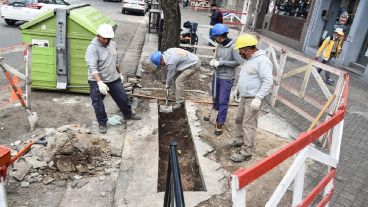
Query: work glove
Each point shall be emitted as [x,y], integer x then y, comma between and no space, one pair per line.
[103,87]
[256,103]
[121,78]
[214,63]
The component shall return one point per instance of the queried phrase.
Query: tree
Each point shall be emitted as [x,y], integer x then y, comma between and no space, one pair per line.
[172,24]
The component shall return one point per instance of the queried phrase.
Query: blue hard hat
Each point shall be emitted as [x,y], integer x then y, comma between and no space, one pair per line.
[156,58]
[219,29]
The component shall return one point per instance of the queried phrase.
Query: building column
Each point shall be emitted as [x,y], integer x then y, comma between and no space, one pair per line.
[359,28]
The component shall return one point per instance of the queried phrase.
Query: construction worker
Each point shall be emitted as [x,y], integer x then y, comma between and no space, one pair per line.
[181,65]
[255,82]
[216,18]
[330,48]
[225,62]
[103,76]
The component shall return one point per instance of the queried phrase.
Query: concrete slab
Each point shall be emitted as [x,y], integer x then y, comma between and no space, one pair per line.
[275,124]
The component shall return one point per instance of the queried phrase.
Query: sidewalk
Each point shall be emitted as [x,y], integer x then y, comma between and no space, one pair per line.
[351,180]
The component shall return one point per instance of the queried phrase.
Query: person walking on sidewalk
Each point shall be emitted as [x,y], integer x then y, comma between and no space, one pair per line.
[225,62]
[330,48]
[216,18]
[103,76]
[255,82]
[181,65]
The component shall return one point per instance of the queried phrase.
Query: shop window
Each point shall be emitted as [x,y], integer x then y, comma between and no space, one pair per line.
[292,8]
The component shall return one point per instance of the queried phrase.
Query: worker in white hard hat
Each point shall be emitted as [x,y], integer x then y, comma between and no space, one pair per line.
[104,78]
[255,82]
[330,48]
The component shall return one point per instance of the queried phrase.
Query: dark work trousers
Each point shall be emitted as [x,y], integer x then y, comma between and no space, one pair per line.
[327,73]
[221,89]
[118,94]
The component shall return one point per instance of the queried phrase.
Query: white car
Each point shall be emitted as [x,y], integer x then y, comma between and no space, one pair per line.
[26,10]
[139,6]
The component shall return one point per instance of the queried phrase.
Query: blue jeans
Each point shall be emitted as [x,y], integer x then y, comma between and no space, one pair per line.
[221,89]
[118,94]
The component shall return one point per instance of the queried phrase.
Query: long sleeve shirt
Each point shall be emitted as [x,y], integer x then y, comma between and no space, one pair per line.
[102,60]
[177,59]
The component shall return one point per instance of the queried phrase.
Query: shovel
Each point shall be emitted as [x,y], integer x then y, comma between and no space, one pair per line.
[32,116]
[166,108]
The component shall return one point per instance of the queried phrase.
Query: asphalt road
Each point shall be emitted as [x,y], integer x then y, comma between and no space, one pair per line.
[11,35]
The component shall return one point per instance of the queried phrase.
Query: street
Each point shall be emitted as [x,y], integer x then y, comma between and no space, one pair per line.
[11,35]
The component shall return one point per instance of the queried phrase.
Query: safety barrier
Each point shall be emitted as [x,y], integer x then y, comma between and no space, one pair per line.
[174,191]
[332,126]
[7,94]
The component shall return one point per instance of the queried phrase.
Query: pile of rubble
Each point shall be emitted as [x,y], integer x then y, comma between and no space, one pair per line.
[131,83]
[71,153]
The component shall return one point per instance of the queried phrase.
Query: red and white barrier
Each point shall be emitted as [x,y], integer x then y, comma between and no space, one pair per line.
[241,178]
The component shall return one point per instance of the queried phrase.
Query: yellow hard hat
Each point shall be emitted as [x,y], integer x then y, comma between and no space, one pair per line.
[245,40]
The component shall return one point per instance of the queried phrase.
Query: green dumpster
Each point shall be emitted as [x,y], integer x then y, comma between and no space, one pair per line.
[59,41]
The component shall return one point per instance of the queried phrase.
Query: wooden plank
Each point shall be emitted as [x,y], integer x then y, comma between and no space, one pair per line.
[14,71]
[306,98]
[305,81]
[295,108]
[288,178]
[314,123]
[321,84]
[274,58]
[294,72]
[279,73]
[317,190]
[12,49]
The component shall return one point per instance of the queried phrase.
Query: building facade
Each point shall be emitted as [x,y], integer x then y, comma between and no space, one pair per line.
[303,25]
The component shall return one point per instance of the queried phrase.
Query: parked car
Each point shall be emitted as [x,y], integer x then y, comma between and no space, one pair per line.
[139,6]
[26,10]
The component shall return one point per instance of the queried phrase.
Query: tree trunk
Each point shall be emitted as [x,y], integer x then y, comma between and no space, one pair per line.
[172,24]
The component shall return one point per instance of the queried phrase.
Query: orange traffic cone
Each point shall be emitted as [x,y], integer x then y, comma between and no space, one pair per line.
[13,95]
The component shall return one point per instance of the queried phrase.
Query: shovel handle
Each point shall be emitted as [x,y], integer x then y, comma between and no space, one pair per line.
[167,96]
[21,152]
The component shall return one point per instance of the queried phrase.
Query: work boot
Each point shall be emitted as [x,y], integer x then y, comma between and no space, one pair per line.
[235,142]
[102,128]
[218,129]
[330,81]
[241,156]
[133,117]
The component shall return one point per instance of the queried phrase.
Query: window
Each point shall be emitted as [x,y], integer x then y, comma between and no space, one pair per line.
[293,8]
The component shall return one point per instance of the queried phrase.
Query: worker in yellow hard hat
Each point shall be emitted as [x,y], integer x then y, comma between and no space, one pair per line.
[330,48]
[255,82]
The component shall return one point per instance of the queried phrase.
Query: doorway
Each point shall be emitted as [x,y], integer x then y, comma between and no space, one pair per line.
[363,56]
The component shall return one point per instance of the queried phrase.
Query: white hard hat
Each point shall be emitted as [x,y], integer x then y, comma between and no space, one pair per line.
[105,31]
[339,31]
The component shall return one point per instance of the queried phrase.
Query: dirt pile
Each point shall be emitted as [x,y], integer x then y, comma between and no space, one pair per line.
[72,152]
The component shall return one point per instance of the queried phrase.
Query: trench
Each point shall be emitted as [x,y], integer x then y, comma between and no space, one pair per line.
[174,126]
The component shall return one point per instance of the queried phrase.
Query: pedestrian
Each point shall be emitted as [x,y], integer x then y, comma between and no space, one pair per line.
[181,65]
[216,18]
[330,49]
[225,63]
[255,82]
[104,77]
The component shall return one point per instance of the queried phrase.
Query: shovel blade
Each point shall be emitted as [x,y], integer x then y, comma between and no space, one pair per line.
[33,120]
[166,109]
